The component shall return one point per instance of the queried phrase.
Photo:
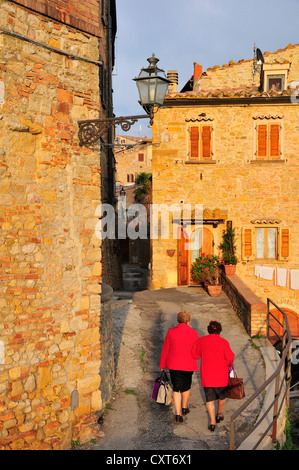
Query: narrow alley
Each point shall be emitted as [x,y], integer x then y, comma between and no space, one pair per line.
[133,421]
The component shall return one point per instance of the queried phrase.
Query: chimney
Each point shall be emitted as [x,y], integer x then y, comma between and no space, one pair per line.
[172,75]
[197,70]
[196,76]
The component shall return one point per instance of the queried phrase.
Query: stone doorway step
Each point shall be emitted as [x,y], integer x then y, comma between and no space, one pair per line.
[134,278]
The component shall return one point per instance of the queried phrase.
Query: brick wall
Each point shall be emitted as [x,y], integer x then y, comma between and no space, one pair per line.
[249,308]
[81,14]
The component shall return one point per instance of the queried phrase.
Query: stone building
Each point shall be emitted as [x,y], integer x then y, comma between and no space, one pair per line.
[229,142]
[133,155]
[55,69]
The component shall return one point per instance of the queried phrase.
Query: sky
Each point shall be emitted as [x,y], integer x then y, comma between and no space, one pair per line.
[181,32]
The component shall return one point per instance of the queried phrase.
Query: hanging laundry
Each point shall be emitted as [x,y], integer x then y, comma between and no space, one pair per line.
[257,270]
[294,278]
[267,273]
[281,277]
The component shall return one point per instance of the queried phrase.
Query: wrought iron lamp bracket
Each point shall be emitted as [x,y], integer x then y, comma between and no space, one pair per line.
[90,131]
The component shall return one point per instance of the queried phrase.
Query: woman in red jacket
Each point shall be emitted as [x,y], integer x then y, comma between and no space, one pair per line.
[177,356]
[216,358]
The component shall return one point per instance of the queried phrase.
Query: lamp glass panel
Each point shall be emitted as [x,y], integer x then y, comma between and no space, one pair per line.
[162,88]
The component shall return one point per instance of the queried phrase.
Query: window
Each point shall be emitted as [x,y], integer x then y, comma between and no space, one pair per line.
[274,76]
[275,82]
[268,141]
[140,157]
[265,243]
[130,178]
[200,143]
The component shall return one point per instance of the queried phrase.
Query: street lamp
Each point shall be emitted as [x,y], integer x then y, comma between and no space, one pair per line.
[152,85]
[122,192]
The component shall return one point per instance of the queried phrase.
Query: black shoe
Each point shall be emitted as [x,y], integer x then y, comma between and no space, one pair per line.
[219,418]
[178,418]
[185,411]
[212,427]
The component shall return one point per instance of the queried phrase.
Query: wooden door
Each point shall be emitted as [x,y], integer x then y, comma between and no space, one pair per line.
[183,260]
[207,242]
[184,255]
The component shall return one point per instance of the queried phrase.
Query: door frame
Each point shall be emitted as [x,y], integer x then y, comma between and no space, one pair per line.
[189,252]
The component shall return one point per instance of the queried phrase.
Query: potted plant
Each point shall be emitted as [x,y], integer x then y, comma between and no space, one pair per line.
[205,270]
[228,248]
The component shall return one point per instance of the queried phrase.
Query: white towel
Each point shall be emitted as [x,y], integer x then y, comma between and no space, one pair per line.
[267,273]
[294,278]
[257,270]
[281,277]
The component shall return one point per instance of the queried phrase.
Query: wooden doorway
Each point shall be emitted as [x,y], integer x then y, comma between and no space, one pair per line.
[186,257]
[183,260]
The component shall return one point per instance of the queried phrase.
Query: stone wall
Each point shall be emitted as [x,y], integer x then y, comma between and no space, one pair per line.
[127,159]
[50,258]
[239,74]
[249,308]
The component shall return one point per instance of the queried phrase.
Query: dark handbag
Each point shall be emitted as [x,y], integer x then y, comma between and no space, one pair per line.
[156,387]
[164,396]
[235,389]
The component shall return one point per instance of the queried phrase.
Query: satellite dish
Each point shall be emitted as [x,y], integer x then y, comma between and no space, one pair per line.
[259,55]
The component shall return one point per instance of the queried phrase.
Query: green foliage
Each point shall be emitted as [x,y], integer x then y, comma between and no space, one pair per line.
[205,269]
[130,391]
[143,183]
[143,353]
[228,246]
[75,443]
[288,444]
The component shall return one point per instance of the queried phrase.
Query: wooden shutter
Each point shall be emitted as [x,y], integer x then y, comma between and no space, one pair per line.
[262,141]
[194,134]
[247,251]
[274,140]
[206,141]
[284,239]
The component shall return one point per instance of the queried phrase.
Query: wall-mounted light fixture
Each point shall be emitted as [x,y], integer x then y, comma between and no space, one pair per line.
[152,85]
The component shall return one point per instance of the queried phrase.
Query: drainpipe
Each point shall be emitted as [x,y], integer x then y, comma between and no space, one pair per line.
[111,160]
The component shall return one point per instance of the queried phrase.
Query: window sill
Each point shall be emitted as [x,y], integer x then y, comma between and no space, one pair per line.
[200,162]
[268,161]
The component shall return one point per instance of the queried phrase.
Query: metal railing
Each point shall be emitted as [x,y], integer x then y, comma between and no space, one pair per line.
[281,379]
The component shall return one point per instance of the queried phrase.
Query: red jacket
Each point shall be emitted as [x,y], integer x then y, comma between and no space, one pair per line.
[216,358]
[176,352]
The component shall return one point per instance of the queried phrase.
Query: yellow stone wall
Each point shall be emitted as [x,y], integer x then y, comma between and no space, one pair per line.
[239,74]
[50,258]
[127,158]
[233,183]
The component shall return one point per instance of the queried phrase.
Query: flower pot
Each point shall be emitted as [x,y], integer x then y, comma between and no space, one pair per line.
[230,268]
[214,291]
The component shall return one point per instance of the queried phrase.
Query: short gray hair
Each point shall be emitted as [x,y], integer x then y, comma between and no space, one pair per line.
[183,317]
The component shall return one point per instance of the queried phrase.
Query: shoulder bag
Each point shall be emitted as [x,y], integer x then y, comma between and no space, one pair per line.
[164,396]
[235,389]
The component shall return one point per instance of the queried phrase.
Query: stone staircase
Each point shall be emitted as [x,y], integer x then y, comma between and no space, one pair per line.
[134,278]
